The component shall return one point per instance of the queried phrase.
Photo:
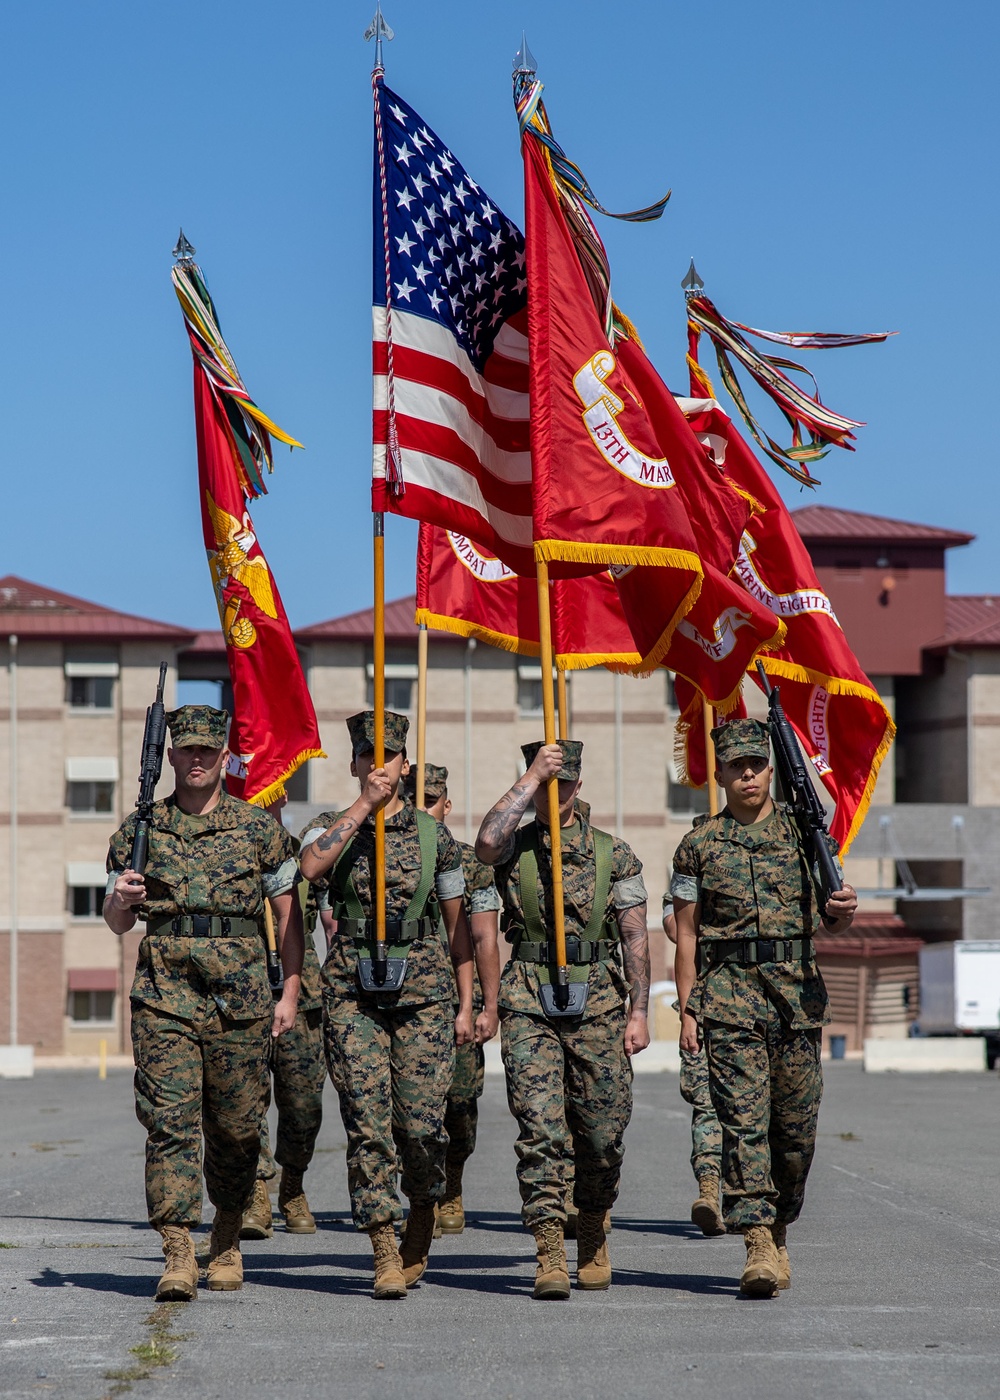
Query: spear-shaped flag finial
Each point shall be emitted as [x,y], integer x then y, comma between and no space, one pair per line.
[524,59]
[692,283]
[183,250]
[378,30]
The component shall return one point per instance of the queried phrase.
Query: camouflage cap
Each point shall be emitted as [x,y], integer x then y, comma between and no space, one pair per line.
[741,738]
[362,731]
[435,782]
[202,725]
[572,754]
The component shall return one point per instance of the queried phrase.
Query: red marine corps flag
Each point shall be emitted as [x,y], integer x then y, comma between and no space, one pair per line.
[273,730]
[840,718]
[464,590]
[604,474]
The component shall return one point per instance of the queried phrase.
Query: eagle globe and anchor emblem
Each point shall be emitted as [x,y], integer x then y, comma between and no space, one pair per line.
[229,561]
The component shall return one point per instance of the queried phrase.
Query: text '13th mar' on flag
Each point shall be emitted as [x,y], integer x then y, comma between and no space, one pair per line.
[273,729]
[450,347]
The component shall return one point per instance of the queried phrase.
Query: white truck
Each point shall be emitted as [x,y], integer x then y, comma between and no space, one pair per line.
[960,991]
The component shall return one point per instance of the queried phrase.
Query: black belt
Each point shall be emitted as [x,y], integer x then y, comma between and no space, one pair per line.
[203,926]
[751,952]
[398,932]
[579,951]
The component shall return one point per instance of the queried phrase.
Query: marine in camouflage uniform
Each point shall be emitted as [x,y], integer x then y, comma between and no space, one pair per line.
[569,1079]
[706,1134]
[745,897]
[298,1072]
[482,905]
[391,1054]
[203,1013]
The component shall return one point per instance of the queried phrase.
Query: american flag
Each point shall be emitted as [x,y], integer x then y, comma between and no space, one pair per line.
[450,318]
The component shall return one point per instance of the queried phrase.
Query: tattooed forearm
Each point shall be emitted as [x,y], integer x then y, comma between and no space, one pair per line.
[496,835]
[335,836]
[318,857]
[635,954]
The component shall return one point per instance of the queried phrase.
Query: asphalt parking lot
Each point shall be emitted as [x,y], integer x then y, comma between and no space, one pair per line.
[896,1268]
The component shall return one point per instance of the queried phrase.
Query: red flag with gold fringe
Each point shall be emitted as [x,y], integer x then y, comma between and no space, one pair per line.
[841,720]
[462,589]
[273,729]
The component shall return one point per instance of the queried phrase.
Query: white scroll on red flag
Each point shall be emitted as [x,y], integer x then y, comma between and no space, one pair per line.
[841,720]
[463,590]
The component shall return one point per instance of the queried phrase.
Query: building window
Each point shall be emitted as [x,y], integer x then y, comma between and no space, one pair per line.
[86,901]
[92,1008]
[529,695]
[97,797]
[847,568]
[398,693]
[683,801]
[90,692]
[671,692]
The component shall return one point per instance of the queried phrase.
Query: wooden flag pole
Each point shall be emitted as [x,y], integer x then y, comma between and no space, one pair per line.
[379,966]
[421,711]
[563,704]
[713,790]
[549,716]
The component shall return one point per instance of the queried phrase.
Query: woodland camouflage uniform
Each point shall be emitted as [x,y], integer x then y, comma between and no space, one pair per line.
[391,1055]
[569,1081]
[298,1068]
[202,1005]
[761,1023]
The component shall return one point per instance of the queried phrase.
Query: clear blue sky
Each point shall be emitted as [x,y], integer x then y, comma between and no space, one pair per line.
[833,167]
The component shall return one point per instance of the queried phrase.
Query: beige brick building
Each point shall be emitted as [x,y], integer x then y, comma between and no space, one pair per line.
[81,676]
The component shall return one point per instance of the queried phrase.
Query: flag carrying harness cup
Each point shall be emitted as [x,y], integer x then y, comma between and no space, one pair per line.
[533,943]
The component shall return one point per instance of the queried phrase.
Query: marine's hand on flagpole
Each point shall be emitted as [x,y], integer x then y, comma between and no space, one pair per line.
[546,764]
[378,789]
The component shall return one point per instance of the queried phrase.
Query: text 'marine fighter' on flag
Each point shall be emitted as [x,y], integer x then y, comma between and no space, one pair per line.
[450,320]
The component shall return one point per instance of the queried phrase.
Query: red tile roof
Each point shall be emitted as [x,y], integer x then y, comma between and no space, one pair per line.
[210,643]
[359,626]
[831,523]
[32,610]
[970,620]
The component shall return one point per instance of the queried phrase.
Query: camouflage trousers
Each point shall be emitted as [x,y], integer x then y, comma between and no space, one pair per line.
[392,1071]
[299,1073]
[706,1135]
[194,1078]
[766,1084]
[569,1085]
[461,1117]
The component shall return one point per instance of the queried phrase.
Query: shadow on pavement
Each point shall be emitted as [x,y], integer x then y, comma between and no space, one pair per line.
[127,1286]
[82,1220]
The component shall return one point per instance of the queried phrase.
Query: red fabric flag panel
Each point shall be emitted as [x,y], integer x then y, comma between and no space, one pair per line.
[274,729]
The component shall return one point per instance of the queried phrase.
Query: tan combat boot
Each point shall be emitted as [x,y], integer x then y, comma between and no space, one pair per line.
[389,1280]
[257,1223]
[179,1283]
[778,1233]
[593,1263]
[225,1266]
[299,1219]
[705,1212]
[760,1275]
[451,1212]
[552,1274]
[416,1244]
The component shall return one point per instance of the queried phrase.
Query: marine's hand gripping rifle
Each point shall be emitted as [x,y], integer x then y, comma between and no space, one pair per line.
[806,806]
[154,739]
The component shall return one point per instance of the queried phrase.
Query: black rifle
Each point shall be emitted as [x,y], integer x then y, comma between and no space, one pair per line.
[800,793]
[154,739]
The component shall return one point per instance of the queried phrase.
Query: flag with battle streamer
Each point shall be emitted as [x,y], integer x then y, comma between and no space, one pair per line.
[273,730]
[842,722]
[461,589]
[603,475]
